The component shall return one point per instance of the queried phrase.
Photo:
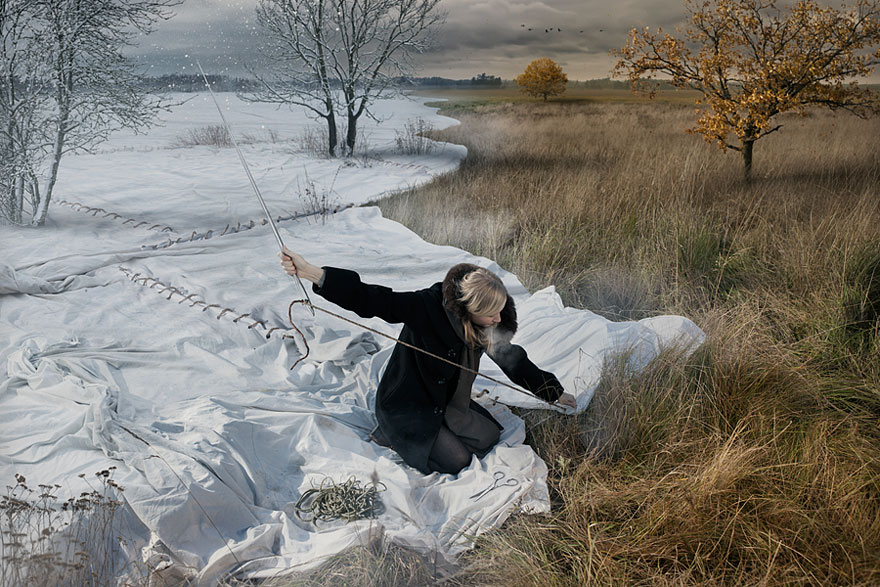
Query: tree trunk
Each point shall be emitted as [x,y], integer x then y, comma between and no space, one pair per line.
[351,133]
[332,137]
[747,145]
[18,202]
[42,208]
[57,151]
[16,196]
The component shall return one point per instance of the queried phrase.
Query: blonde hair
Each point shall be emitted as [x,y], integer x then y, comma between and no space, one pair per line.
[483,294]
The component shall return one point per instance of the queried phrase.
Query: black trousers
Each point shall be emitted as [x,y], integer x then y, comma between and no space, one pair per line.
[448,455]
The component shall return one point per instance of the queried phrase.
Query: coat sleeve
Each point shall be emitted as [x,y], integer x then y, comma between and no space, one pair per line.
[345,289]
[516,364]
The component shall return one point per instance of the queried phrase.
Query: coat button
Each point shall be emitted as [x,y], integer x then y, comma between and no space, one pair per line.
[441,382]
[450,353]
[438,410]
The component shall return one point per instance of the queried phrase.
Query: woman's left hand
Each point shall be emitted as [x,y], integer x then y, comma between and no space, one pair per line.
[567,400]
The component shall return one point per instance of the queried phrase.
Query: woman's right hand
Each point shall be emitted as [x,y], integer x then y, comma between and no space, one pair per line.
[567,400]
[295,264]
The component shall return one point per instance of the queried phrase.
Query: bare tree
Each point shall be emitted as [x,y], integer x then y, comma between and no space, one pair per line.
[66,65]
[23,100]
[379,38]
[295,48]
[342,54]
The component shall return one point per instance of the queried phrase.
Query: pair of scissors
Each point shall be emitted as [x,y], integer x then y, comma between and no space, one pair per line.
[497,476]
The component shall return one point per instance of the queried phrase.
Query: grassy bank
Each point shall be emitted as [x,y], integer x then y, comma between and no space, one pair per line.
[755,461]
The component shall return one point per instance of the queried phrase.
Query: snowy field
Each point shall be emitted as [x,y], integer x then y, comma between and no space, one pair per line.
[145,327]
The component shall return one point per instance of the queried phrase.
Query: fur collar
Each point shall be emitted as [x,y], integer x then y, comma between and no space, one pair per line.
[451,292]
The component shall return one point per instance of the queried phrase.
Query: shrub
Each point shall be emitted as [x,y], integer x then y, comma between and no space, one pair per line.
[411,140]
[212,136]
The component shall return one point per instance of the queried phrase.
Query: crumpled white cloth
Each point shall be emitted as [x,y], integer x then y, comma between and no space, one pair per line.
[214,479]
[213,435]
[13,282]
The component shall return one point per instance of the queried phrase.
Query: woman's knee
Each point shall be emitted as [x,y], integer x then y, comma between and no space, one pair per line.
[449,454]
[449,464]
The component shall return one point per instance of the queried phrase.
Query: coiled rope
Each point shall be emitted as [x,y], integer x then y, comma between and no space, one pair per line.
[334,501]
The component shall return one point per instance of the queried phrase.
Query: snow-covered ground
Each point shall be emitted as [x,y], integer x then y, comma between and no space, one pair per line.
[145,326]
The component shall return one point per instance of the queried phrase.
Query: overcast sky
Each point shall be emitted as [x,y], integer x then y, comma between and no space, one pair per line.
[497,37]
[490,36]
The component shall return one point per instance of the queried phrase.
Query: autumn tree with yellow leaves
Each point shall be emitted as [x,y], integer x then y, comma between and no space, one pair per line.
[542,77]
[753,61]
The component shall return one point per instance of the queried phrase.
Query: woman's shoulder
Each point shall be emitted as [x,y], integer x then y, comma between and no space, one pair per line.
[430,298]
[433,297]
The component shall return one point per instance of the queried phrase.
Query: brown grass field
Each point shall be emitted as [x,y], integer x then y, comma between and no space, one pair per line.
[753,461]
[757,459]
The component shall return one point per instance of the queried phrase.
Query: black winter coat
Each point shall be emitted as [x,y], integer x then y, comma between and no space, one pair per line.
[415,389]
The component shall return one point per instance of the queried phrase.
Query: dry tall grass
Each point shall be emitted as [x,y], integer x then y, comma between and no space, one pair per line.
[755,461]
[81,541]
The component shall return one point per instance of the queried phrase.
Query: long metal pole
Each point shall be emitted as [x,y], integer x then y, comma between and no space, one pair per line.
[247,170]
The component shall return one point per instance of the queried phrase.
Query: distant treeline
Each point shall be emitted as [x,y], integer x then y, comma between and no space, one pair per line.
[178,82]
[490,81]
[482,80]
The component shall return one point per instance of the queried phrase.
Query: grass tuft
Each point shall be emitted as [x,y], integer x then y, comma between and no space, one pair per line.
[212,136]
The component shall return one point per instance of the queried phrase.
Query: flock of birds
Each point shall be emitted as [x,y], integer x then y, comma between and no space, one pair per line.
[554,29]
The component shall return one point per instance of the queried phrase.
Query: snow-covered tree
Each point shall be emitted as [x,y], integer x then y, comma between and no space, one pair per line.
[23,101]
[340,56]
[66,87]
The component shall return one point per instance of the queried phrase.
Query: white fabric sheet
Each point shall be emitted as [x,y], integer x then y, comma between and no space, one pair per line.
[156,359]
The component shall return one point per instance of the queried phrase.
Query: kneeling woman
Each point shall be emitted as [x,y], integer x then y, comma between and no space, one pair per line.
[424,406]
